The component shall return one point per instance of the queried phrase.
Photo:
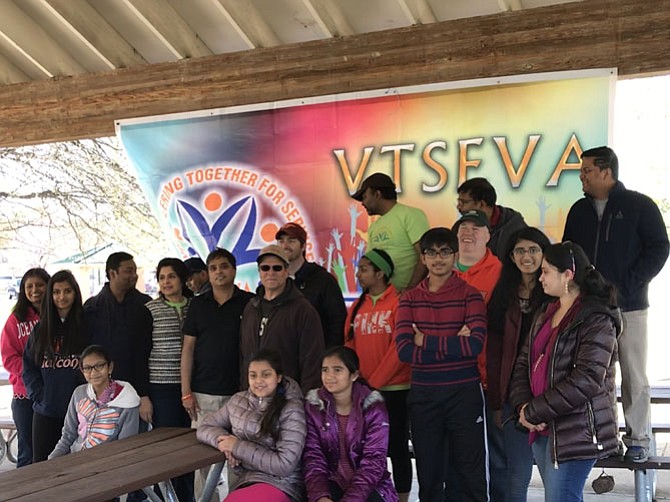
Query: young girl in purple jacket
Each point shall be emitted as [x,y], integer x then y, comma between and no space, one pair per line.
[347,436]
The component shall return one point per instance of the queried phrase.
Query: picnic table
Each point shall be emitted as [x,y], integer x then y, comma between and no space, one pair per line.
[110,470]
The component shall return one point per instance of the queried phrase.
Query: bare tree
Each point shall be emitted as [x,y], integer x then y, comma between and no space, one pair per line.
[62,198]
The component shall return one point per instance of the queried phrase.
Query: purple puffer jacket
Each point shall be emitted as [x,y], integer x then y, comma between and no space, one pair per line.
[367,436]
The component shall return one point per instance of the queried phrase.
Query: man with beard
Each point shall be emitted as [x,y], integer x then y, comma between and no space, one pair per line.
[397,230]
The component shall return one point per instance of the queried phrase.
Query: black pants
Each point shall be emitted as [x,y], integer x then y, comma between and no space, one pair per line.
[46,434]
[22,413]
[169,412]
[396,404]
[451,418]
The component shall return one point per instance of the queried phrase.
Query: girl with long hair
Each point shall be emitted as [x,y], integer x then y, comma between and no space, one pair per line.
[516,299]
[370,331]
[25,315]
[168,312]
[51,360]
[262,432]
[101,410]
[563,382]
[347,435]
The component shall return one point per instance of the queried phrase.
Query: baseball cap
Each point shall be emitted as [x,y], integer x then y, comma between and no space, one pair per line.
[273,250]
[476,216]
[292,230]
[376,180]
[194,265]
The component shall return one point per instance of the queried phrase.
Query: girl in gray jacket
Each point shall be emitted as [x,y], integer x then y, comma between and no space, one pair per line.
[262,432]
[101,410]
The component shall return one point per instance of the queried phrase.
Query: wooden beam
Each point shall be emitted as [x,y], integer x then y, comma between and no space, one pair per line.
[632,35]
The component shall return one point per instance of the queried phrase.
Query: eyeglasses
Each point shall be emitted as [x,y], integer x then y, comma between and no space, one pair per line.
[267,268]
[443,252]
[97,367]
[462,202]
[519,252]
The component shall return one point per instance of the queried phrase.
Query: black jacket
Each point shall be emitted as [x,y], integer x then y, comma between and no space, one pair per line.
[510,221]
[325,295]
[124,329]
[628,246]
[289,325]
[579,405]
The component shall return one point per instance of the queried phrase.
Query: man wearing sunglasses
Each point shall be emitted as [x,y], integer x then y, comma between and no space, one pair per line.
[624,236]
[279,317]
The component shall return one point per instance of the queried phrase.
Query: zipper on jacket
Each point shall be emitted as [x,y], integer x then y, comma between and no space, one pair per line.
[592,426]
[607,227]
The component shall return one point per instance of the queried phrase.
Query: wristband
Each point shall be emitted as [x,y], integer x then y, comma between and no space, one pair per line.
[186,397]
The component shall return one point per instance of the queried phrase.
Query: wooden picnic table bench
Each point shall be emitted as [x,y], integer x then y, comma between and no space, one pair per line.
[110,470]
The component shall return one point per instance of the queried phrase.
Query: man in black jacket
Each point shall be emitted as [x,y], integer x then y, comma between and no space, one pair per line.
[314,281]
[624,236]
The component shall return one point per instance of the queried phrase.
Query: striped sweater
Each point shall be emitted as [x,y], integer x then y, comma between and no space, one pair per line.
[166,337]
[445,358]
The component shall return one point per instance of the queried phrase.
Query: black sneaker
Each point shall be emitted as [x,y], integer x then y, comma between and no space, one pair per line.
[637,454]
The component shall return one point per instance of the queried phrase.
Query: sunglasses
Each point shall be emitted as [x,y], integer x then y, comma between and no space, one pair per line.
[267,268]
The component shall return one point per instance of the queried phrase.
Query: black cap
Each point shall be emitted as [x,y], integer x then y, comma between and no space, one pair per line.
[194,265]
[476,216]
[376,180]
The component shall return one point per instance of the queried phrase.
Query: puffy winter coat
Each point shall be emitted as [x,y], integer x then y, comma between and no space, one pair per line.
[367,439]
[263,460]
[579,404]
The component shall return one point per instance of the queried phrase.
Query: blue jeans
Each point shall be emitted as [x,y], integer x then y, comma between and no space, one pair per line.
[519,459]
[565,483]
[22,414]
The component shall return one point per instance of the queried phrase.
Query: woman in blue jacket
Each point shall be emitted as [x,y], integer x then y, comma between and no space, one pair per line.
[51,360]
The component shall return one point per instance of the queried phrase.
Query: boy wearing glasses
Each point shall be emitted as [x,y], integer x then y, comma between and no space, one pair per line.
[279,317]
[441,326]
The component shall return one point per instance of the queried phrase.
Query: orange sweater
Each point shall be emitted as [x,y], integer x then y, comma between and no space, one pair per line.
[374,341]
[483,276]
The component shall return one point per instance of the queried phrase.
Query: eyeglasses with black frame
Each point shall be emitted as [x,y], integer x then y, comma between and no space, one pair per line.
[533,250]
[442,252]
[98,367]
[267,268]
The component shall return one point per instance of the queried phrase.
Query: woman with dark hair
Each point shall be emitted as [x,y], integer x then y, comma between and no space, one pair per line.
[563,383]
[370,331]
[262,433]
[51,360]
[347,435]
[25,315]
[168,312]
[516,299]
[101,410]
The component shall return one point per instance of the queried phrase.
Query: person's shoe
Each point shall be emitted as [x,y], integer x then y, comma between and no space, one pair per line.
[637,454]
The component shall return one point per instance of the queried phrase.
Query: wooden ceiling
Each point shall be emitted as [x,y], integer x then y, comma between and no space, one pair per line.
[70,68]
[45,39]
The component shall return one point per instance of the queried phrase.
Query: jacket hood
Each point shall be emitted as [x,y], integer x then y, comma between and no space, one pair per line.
[591,307]
[289,294]
[618,188]
[362,396]
[127,398]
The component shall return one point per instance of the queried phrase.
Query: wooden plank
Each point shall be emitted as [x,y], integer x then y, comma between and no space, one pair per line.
[661,463]
[632,35]
[95,461]
[117,479]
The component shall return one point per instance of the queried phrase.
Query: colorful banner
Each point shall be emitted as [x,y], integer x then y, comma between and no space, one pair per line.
[230,178]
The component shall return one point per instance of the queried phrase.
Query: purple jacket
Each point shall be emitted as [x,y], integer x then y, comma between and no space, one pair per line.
[367,437]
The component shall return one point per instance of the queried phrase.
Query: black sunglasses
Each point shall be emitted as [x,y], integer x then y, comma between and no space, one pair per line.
[276,268]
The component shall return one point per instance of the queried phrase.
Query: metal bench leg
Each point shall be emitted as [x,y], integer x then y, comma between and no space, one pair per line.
[212,481]
[168,491]
[151,494]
